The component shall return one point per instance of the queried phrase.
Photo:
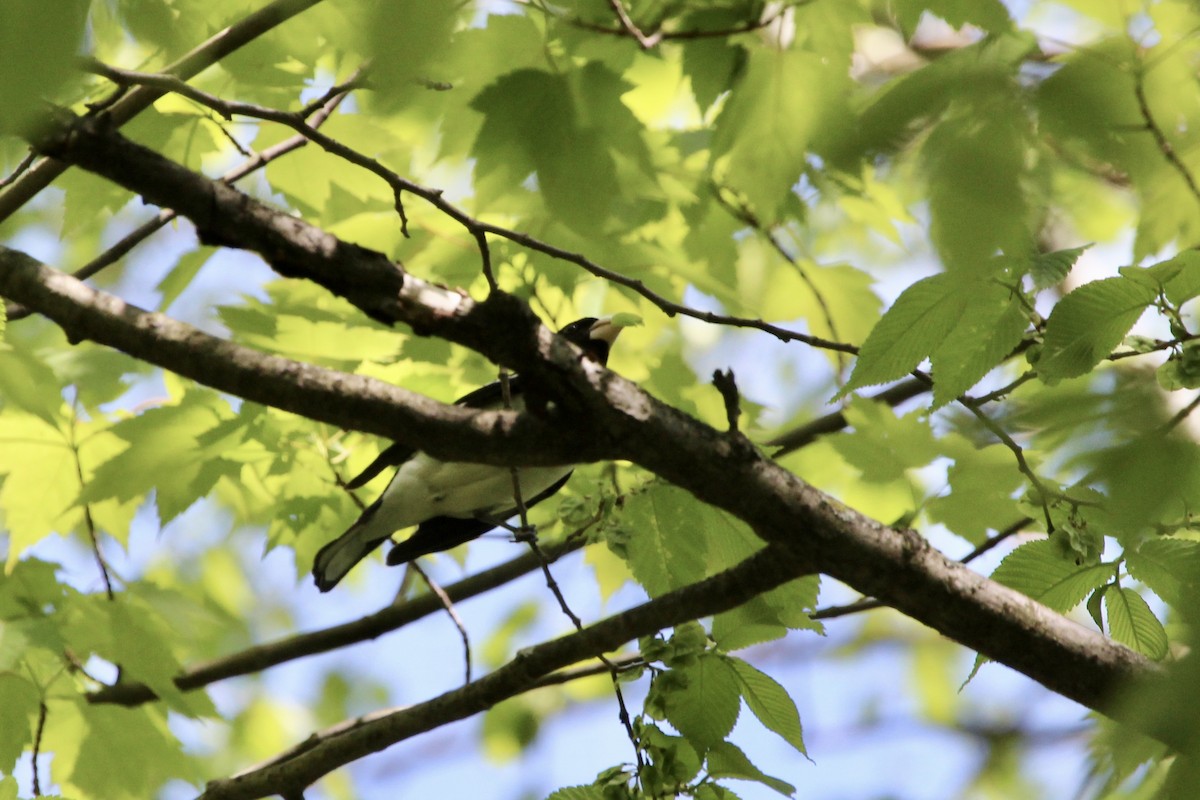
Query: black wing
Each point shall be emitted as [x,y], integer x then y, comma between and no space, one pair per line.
[441,533]
[491,395]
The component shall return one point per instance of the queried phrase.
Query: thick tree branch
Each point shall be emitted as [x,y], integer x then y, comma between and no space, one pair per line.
[897,567]
[348,401]
[89,144]
[324,752]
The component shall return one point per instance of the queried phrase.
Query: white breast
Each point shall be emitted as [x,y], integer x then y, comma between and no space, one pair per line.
[425,487]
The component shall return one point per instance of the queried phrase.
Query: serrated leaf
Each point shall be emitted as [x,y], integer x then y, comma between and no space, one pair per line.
[990,15]
[1169,567]
[726,760]
[39,486]
[711,64]
[168,452]
[1185,285]
[1051,269]
[578,793]
[19,698]
[37,45]
[990,328]
[769,616]
[982,481]
[1088,323]
[882,444]
[1132,623]
[763,134]
[912,329]
[1047,572]
[982,141]
[663,549]
[139,741]
[27,383]
[706,710]
[770,702]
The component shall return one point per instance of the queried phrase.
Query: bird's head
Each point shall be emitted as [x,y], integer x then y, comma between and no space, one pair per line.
[593,336]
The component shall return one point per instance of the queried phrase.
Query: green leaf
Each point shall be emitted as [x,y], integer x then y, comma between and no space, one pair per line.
[882,444]
[27,383]
[128,753]
[982,482]
[20,699]
[1185,284]
[764,131]
[1170,567]
[769,616]
[1152,479]
[141,647]
[711,64]
[663,549]
[982,142]
[770,702]
[169,453]
[1088,323]
[991,326]
[1051,269]
[39,486]
[1047,572]
[912,329]
[1094,607]
[184,272]
[991,15]
[1132,623]
[706,709]
[570,130]
[726,760]
[578,793]
[38,44]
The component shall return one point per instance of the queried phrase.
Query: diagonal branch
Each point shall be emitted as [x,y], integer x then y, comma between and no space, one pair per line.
[324,752]
[215,210]
[372,626]
[899,568]
[348,401]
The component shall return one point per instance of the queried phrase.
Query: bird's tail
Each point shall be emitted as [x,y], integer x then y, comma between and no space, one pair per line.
[338,557]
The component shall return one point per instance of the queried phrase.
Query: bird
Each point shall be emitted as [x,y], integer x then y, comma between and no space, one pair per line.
[450,502]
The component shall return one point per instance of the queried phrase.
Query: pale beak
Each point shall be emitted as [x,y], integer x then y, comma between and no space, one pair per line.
[604,331]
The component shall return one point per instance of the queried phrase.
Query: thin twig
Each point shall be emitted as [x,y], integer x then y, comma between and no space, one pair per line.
[1180,415]
[37,747]
[475,226]
[448,604]
[630,27]
[216,47]
[1160,138]
[622,708]
[741,212]
[388,619]
[662,36]
[89,523]
[25,164]
[317,117]
[805,434]
[485,253]
[725,383]
[623,664]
